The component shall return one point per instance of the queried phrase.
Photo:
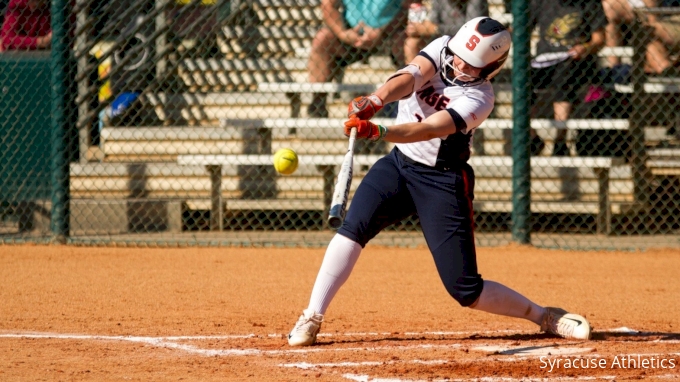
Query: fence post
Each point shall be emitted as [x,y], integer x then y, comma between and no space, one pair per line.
[59,165]
[84,68]
[637,119]
[521,93]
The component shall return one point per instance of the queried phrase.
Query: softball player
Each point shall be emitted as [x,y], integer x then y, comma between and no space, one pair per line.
[444,94]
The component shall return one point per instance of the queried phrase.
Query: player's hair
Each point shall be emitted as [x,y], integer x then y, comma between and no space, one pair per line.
[481,42]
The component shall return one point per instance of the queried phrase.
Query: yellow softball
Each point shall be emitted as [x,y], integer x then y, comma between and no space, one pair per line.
[285,161]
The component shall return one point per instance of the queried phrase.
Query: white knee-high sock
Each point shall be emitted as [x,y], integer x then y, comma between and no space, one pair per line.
[499,299]
[338,262]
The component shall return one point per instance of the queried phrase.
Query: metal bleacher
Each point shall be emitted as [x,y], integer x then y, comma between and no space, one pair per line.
[218,110]
[188,185]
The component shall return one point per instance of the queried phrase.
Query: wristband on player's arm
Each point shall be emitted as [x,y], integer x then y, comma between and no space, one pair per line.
[381,130]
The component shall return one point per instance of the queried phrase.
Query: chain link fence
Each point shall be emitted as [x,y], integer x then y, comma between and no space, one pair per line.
[153,122]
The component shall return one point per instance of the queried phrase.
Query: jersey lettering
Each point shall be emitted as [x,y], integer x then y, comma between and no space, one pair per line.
[441,104]
[432,98]
[425,92]
[472,43]
[437,96]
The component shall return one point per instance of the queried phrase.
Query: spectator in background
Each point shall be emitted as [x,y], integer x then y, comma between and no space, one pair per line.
[444,17]
[362,29]
[571,32]
[666,39]
[27,25]
[622,12]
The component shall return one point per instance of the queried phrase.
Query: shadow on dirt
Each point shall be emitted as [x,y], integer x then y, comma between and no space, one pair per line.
[636,336]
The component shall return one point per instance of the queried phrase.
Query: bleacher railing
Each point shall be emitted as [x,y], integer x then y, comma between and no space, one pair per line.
[153,123]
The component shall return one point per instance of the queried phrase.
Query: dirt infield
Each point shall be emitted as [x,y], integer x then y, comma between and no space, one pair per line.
[209,314]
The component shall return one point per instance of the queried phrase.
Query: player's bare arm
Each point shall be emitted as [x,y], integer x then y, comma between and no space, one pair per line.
[439,124]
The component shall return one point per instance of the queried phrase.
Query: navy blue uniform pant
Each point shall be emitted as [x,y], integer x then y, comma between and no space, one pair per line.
[396,188]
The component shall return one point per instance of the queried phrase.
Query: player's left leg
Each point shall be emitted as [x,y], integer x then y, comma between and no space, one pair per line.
[444,205]
[499,299]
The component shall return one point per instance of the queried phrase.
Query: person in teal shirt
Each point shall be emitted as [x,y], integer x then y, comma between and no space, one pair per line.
[354,30]
[375,13]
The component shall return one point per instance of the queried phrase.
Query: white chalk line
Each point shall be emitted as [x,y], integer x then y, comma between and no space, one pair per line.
[39,335]
[307,365]
[171,341]
[329,335]
[98,337]
[165,343]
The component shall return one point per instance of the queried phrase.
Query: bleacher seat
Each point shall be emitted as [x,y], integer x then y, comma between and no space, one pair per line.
[274,50]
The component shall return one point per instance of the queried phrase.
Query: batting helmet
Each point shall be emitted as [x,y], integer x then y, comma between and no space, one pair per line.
[481,42]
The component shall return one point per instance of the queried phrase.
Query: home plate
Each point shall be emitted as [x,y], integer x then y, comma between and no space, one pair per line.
[532,350]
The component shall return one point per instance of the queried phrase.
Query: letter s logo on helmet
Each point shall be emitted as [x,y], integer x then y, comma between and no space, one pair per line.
[481,42]
[472,44]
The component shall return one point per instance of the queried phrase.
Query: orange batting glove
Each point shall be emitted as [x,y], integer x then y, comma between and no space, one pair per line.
[365,129]
[364,107]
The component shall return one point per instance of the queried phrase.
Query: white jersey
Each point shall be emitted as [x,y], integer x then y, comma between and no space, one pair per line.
[469,106]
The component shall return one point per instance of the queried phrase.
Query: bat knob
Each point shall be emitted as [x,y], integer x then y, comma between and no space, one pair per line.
[335,216]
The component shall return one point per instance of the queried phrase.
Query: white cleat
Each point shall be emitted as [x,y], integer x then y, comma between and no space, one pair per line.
[306,328]
[568,325]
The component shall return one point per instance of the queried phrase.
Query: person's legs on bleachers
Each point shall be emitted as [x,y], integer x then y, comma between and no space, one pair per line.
[541,95]
[668,30]
[562,110]
[569,185]
[621,12]
[570,79]
[618,12]
[397,42]
[321,66]
[564,81]
[657,60]
[412,45]
[667,38]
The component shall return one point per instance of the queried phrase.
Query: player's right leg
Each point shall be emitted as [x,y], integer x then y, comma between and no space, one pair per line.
[338,262]
[379,201]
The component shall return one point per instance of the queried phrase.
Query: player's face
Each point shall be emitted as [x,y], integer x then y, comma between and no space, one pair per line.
[465,68]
